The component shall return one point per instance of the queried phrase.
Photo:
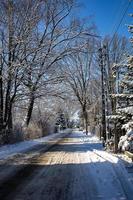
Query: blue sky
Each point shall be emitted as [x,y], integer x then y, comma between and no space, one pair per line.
[107,14]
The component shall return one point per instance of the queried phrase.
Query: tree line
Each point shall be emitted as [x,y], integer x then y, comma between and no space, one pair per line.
[36,37]
[49,64]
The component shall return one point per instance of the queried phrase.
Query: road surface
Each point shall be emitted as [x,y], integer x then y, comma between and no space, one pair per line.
[74,169]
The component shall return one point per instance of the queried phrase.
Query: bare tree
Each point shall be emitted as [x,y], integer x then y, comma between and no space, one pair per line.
[16,25]
[56,39]
[35,36]
[80,75]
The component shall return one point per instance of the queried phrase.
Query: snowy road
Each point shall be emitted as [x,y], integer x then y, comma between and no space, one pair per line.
[74,169]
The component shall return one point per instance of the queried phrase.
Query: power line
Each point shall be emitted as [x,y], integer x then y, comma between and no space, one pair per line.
[118,13]
[125,11]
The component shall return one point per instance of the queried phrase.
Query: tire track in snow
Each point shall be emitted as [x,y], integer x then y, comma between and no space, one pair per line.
[19,174]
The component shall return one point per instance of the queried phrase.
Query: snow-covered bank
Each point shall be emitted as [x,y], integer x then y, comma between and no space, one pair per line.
[113,169]
[12,149]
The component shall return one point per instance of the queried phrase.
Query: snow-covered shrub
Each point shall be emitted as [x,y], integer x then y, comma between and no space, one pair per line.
[121,142]
[129,133]
[126,141]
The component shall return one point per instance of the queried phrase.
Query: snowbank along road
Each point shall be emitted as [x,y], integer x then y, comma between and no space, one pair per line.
[75,168]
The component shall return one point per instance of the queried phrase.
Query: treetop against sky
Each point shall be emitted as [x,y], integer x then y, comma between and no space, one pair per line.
[107,14]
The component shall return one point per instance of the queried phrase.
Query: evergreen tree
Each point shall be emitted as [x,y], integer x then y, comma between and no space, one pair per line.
[60,121]
[123,116]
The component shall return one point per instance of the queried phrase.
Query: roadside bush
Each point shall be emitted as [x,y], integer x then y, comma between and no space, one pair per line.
[33,131]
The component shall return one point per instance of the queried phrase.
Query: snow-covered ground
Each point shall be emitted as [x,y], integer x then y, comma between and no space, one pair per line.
[76,168]
[12,149]
[112,174]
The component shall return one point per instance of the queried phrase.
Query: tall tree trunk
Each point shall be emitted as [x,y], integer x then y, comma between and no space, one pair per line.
[30,109]
[8,103]
[86,122]
[10,128]
[85,118]
[1,99]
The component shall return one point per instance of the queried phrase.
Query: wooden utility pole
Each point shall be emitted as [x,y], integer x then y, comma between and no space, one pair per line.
[106,87]
[102,67]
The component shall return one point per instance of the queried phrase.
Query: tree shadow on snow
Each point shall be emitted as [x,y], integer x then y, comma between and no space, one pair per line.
[70,181]
[60,177]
